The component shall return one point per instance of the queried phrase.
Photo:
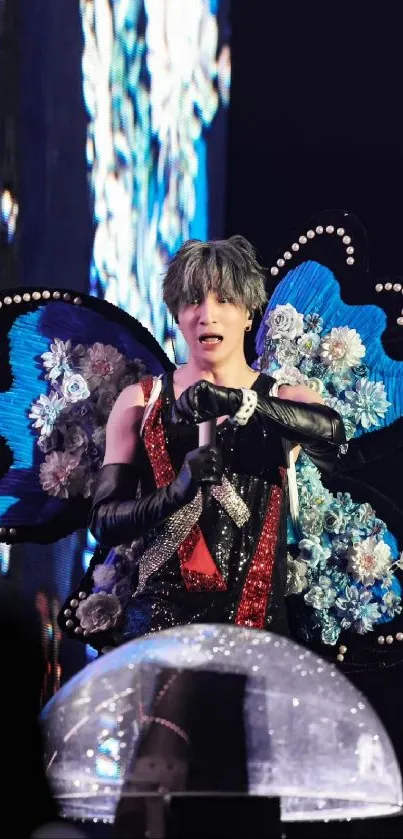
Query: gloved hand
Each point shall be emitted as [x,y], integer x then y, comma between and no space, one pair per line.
[317,428]
[117,517]
[205,401]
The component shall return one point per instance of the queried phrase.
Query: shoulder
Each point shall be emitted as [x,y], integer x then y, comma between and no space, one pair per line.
[128,406]
[299,393]
[131,396]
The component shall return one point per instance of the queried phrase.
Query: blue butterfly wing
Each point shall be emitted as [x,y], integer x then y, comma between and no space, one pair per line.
[28,326]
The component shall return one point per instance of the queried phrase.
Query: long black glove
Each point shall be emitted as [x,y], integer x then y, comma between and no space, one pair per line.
[117,517]
[368,448]
[317,428]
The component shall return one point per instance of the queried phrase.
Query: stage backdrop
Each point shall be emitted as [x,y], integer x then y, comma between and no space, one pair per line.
[121,132]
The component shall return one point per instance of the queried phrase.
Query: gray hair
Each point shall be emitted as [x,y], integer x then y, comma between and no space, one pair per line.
[227,266]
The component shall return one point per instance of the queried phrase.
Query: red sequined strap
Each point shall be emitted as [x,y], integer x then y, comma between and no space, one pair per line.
[147,385]
[198,568]
[259,579]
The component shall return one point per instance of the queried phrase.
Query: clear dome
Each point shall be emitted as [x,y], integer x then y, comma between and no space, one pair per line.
[312,739]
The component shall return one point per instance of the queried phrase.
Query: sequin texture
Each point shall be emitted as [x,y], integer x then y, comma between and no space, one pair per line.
[253,604]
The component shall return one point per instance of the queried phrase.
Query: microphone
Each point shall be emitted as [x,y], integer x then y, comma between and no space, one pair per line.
[207,437]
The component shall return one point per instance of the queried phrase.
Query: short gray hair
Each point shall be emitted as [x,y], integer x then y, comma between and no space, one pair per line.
[228,266]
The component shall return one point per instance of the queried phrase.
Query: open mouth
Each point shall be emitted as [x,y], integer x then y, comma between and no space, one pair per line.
[210,339]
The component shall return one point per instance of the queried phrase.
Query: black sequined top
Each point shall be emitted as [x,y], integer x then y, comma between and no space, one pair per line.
[254,463]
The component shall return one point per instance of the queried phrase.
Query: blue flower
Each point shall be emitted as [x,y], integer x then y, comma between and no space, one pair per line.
[356,608]
[322,595]
[313,322]
[391,604]
[312,552]
[368,402]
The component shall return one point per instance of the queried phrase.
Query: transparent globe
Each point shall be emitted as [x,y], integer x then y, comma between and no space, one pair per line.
[312,739]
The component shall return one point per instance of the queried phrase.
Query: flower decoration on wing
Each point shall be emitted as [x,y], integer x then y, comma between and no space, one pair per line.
[82,383]
[344,561]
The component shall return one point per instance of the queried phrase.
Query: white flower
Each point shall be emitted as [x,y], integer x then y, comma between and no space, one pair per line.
[99,612]
[369,560]
[101,363]
[296,576]
[368,402]
[342,348]
[284,322]
[104,576]
[308,343]
[61,475]
[58,360]
[46,411]
[75,439]
[74,387]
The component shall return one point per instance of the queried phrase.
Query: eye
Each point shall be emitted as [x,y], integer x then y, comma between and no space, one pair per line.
[223,300]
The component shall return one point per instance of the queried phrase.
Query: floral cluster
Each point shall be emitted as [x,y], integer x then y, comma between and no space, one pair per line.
[84,382]
[345,560]
[112,589]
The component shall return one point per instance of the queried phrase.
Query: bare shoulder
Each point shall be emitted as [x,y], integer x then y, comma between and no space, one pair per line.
[123,427]
[300,393]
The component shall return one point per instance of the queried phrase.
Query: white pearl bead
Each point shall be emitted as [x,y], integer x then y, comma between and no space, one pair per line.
[56,295]
[69,624]
[342,649]
[350,249]
[340,231]
[389,639]
[82,595]
[17,298]
[399,636]
[46,295]
[7,301]
[77,301]
[381,639]
[295,246]
[78,630]
[319,229]
[379,287]
[388,286]
[303,240]
[350,260]
[340,657]
[287,255]
[74,603]
[397,287]
[347,240]
[274,271]
[26,297]
[310,234]
[36,295]
[280,263]
[399,321]
[330,228]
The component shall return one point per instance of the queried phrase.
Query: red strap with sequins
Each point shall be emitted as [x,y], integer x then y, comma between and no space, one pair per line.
[252,607]
[198,568]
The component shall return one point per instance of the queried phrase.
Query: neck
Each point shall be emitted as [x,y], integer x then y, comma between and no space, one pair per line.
[226,374]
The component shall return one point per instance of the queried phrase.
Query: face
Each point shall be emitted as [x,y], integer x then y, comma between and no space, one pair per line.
[213,328]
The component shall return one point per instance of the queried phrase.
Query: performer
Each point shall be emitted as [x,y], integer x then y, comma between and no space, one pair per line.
[344,595]
[224,562]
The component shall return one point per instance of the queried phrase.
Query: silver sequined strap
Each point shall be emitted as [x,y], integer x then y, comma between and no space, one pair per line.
[233,504]
[179,525]
[172,534]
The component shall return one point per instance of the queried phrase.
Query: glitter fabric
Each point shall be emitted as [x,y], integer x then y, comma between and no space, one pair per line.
[231,501]
[207,575]
[253,604]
